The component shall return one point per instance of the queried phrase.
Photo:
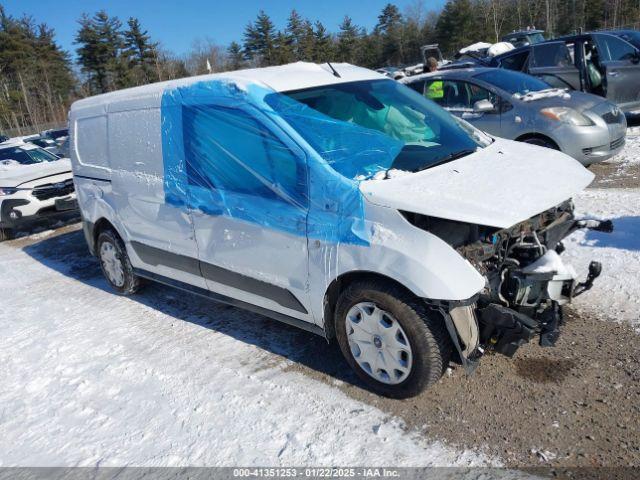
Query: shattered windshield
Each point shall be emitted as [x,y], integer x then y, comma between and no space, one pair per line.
[513,82]
[385,113]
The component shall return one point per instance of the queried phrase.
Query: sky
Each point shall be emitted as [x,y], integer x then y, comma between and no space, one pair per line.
[177,23]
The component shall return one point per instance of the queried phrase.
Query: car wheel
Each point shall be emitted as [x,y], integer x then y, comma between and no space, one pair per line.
[542,142]
[394,344]
[6,234]
[115,264]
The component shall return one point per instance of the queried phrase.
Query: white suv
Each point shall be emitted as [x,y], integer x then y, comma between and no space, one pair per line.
[332,198]
[34,184]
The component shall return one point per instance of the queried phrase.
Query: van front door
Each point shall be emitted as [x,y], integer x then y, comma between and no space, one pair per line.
[248,187]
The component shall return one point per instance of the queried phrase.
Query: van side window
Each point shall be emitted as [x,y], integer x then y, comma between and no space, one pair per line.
[91,141]
[227,149]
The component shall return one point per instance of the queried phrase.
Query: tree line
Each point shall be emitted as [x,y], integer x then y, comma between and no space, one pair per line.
[38,80]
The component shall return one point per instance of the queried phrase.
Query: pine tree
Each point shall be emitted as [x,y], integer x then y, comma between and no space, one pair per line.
[140,53]
[347,41]
[259,40]
[36,80]
[100,41]
[390,29]
[306,46]
[235,57]
[322,44]
[295,32]
[456,27]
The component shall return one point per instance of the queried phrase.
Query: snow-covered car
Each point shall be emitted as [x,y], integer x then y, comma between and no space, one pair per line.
[34,184]
[337,200]
[520,107]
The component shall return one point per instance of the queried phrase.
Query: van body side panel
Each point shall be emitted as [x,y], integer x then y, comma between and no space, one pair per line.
[135,145]
[422,262]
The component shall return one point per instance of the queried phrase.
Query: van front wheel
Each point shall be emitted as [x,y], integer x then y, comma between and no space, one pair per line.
[390,339]
[115,263]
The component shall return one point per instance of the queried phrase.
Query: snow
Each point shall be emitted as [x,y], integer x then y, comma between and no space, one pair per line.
[499,48]
[475,47]
[166,379]
[616,293]
[548,263]
[630,155]
[541,94]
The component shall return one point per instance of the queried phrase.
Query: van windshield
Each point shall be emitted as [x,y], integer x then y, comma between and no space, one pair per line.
[419,133]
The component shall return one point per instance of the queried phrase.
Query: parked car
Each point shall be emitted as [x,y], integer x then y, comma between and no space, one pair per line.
[602,63]
[521,107]
[55,133]
[34,184]
[522,38]
[337,200]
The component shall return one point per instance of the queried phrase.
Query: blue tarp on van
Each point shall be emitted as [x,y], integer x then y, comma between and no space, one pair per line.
[248,152]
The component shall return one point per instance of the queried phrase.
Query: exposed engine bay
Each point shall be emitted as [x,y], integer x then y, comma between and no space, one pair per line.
[526,281]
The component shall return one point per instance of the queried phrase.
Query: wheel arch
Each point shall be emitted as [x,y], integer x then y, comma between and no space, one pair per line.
[541,136]
[340,283]
[93,230]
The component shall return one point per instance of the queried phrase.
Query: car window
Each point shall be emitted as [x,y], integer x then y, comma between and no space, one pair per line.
[614,49]
[516,61]
[458,94]
[417,86]
[227,149]
[551,55]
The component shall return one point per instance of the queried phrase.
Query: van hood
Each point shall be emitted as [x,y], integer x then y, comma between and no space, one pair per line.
[15,174]
[498,186]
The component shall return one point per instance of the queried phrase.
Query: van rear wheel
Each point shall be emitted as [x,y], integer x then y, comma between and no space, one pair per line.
[115,263]
[394,344]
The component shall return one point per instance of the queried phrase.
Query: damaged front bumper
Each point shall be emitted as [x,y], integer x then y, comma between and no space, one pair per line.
[529,304]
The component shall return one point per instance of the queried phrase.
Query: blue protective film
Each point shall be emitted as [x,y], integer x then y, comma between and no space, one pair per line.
[231,150]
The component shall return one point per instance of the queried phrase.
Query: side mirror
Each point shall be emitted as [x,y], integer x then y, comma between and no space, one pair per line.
[483,106]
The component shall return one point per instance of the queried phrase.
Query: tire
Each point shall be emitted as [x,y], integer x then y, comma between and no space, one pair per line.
[428,341]
[115,263]
[6,234]
[541,142]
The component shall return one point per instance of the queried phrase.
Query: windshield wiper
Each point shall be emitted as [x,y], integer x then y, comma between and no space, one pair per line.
[449,158]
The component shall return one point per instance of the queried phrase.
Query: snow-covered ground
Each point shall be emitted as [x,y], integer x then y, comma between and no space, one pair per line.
[616,293]
[163,379]
[166,379]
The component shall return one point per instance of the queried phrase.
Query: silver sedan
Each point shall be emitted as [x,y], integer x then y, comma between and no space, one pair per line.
[520,107]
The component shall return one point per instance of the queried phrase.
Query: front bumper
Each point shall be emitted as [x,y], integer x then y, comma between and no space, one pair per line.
[22,209]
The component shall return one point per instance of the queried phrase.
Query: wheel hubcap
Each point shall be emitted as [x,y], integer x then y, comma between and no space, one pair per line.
[111,264]
[378,343]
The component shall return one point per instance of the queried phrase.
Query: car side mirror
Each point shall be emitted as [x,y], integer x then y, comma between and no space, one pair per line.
[483,106]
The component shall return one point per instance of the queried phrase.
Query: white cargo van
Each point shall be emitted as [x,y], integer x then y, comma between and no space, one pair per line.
[333,199]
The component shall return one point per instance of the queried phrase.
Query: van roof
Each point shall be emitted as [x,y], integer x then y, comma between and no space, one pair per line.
[282,78]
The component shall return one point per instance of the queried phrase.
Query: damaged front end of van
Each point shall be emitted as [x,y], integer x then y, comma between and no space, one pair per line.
[527,283]
[510,232]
